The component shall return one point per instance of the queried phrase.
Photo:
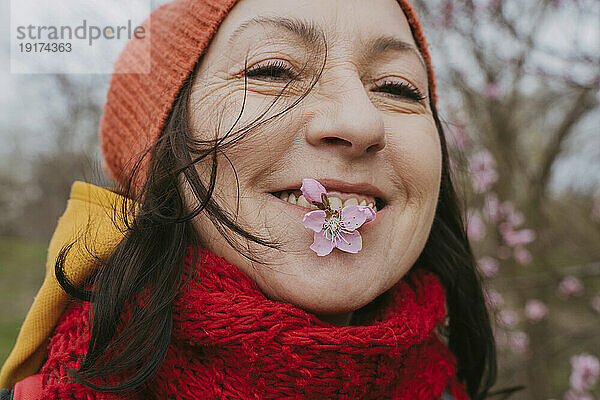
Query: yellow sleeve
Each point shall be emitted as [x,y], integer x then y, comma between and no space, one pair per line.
[89,221]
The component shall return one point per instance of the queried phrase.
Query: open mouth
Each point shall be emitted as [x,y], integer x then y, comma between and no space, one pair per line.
[336,199]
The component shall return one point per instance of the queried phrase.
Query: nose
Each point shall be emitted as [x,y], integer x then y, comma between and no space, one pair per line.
[347,123]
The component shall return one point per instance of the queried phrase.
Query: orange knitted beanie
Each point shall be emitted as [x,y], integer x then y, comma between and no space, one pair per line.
[138,105]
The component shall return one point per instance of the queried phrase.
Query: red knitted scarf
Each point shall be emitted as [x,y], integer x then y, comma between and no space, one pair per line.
[230,341]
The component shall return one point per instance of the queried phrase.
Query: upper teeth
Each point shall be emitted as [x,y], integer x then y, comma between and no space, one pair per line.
[334,202]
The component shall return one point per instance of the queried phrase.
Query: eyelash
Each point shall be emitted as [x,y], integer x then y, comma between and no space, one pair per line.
[273,70]
[270,69]
[404,89]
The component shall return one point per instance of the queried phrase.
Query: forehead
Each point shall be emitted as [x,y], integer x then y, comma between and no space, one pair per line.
[350,22]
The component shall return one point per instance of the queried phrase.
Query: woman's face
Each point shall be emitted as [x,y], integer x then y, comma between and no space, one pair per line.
[355,126]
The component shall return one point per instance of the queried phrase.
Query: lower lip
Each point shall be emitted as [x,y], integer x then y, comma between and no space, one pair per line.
[303,210]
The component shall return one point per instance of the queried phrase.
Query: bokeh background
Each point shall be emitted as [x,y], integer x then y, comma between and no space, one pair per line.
[518,84]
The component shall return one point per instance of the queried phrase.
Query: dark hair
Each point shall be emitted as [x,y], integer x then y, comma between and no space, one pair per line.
[161,230]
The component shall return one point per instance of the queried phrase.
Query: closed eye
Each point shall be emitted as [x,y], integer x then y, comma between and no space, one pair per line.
[401,89]
[277,71]
[280,71]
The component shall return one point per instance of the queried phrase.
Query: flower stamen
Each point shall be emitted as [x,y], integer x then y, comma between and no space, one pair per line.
[333,227]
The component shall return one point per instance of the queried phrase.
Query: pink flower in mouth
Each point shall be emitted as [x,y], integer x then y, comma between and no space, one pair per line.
[333,228]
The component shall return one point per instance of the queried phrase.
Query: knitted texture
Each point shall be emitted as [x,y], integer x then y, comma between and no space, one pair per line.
[230,341]
[138,105]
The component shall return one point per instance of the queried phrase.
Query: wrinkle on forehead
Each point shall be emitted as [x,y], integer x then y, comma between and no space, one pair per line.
[312,34]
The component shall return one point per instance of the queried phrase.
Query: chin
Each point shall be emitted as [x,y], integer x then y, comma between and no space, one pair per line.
[323,294]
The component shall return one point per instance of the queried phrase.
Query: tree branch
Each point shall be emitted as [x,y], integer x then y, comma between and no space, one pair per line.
[585,102]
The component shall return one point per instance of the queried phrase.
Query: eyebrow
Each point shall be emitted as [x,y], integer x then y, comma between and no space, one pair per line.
[312,35]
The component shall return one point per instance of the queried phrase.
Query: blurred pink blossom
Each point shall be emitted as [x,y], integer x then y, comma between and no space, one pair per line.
[535,310]
[509,318]
[519,342]
[570,286]
[491,207]
[488,266]
[475,225]
[510,214]
[491,91]
[483,170]
[522,255]
[458,137]
[595,303]
[493,298]
[585,369]
[515,238]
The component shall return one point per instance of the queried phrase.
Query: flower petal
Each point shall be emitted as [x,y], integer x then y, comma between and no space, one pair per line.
[314,220]
[353,217]
[354,240]
[369,212]
[312,190]
[321,245]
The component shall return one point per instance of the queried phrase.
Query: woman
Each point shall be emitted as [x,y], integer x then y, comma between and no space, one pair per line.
[214,282]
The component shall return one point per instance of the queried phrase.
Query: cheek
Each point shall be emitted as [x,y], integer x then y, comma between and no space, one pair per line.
[225,106]
[214,107]
[416,157]
[259,143]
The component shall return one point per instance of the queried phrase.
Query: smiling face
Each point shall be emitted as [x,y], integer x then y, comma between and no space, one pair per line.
[364,122]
